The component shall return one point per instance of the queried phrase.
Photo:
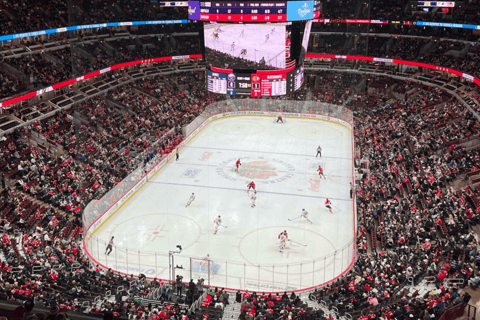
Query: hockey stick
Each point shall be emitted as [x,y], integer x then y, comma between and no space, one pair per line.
[223,226]
[303,245]
[294,218]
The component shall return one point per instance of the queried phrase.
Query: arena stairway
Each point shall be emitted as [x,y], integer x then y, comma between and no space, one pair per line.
[315,304]
[232,310]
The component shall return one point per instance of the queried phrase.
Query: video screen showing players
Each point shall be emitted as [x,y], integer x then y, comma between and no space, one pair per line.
[246,46]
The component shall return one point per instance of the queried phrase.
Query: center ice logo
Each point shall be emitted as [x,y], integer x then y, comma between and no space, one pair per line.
[304,10]
[264,170]
[258,170]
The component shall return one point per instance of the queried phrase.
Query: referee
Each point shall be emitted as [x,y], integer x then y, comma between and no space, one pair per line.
[109,247]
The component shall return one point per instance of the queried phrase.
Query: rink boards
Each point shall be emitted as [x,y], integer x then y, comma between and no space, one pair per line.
[277,277]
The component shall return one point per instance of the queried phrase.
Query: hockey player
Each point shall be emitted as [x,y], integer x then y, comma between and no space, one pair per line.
[267,36]
[242,34]
[232,46]
[192,197]
[284,233]
[305,215]
[218,222]
[254,198]
[319,151]
[109,246]
[251,185]
[320,172]
[283,242]
[237,165]
[280,118]
[328,204]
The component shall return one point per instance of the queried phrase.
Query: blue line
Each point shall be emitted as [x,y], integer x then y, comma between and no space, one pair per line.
[243,190]
[283,153]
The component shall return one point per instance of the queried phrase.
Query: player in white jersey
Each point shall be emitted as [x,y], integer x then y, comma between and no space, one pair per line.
[305,215]
[242,34]
[273,30]
[192,197]
[232,46]
[267,36]
[254,198]
[218,222]
[283,242]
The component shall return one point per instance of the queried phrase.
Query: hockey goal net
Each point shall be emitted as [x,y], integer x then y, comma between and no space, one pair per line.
[202,268]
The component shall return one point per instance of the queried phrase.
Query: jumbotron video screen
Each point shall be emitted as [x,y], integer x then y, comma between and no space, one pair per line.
[255,48]
[247,45]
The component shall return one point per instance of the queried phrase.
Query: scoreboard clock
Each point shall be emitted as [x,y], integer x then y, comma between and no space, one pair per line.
[260,84]
[251,11]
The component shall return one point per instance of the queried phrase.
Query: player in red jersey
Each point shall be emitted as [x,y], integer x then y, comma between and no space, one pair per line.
[237,165]
[283,233]
[328,204]
[320,172]
[280,118]
[251,185]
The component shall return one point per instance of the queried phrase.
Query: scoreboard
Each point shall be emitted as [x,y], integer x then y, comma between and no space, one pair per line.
[217,82]
[252,11]
[260,84]
[261,56]
[274,85]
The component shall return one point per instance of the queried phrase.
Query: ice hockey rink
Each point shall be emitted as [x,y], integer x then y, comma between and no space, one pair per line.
[281,160]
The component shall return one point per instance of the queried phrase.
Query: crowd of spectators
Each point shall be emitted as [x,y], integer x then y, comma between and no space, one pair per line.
[116,136]
[412,218]
[56,14]
[462,56]
[44,69]
[255,305]
[400,11]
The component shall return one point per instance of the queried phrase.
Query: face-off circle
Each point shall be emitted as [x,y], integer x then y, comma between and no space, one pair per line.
[295,254]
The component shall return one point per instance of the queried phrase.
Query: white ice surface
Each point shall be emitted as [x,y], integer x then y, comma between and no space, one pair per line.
[280,158]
